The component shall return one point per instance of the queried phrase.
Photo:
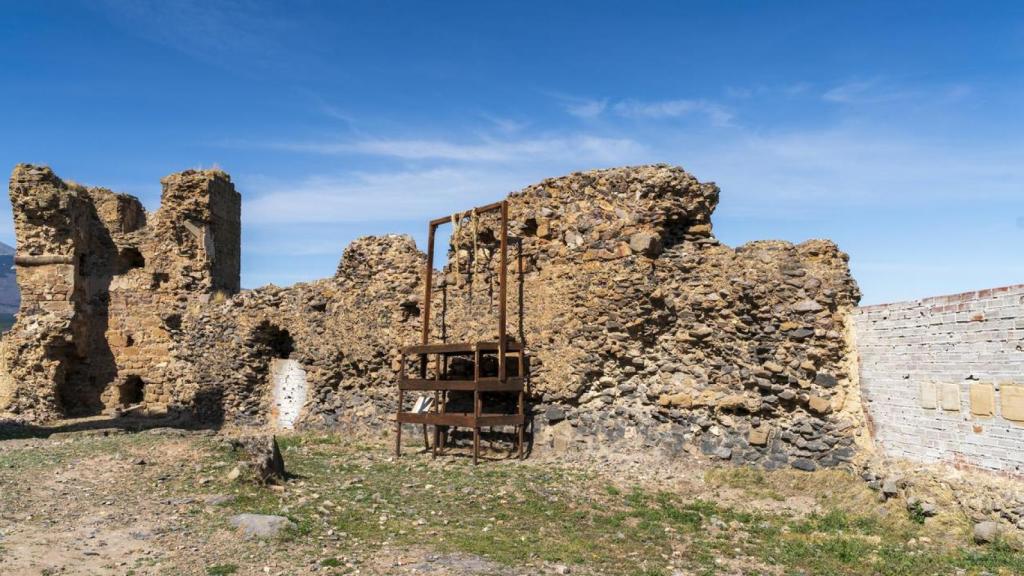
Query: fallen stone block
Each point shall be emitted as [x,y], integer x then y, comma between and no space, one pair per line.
[260,526]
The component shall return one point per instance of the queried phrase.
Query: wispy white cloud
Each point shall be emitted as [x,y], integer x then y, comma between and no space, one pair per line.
[717,114]
[582,147]
[792,89]
[865,92]
[505,125]
[366,196]
[590,108]
[223,33]
[586,108]
[877,91]
[819,171]
[336,113]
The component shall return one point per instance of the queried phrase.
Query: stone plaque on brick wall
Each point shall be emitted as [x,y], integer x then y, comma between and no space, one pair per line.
[950,396]
[929,399]
[983,399]
[1011,401]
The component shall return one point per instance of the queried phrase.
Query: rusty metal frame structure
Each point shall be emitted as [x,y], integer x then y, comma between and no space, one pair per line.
[440,384]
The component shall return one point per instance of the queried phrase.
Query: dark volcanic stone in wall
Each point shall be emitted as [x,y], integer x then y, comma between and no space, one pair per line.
[642,327]
[643,330]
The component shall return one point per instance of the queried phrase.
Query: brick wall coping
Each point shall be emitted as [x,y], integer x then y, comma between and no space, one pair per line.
[947,299]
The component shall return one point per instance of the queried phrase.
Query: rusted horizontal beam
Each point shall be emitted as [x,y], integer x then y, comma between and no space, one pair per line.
[463,419]
[458,348]
[512,384]
[493,346]
[479,210]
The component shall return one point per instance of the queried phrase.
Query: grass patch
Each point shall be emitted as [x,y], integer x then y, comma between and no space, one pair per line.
[523,514]
[360,499]
[753,481]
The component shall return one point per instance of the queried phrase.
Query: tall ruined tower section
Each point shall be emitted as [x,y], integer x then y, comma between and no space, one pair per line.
[104,286]
[197,232]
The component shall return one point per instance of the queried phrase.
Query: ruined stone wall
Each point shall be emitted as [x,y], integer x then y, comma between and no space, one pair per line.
[643,330]
[344,331]
[943,378]
[104,285]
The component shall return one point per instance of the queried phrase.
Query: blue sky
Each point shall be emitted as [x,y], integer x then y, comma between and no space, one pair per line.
[896,129]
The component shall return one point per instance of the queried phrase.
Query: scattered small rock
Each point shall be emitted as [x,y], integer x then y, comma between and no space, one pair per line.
[890,487]
[219,499]
[986,532]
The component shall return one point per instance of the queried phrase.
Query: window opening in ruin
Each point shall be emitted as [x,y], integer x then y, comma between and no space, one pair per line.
[277,340]
[410,309]
[530,227]
[129,340]
[131,391]
[128,259]
[173,322]
[159,278]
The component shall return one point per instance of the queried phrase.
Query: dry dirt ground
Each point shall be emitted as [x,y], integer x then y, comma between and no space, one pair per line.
[104,501]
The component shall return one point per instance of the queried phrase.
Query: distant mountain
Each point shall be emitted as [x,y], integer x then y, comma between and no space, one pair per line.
[9,295]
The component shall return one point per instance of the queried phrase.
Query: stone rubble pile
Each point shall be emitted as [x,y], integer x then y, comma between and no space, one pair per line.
[994,505]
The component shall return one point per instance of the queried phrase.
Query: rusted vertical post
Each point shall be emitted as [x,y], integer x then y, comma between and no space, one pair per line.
[398,422]
[503,291]
[437,405]
[522,400]
[428,291]
[476,403]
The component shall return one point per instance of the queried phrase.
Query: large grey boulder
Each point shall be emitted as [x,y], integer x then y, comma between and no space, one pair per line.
[260,526]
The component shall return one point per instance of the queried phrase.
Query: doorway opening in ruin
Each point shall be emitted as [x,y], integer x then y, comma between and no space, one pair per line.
[289,392]
[131,391]
[277,340]
[128,259]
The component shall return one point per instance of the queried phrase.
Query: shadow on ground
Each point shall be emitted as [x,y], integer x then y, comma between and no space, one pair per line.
[102,426]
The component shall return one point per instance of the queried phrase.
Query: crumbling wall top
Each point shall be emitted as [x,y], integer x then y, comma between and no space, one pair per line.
[368,257]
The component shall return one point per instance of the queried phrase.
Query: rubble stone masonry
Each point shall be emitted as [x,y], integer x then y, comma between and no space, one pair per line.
[644,331]
[104,286]
[943,378]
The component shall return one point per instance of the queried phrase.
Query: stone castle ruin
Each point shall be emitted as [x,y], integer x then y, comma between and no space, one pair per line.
[644,334]
[643,330]
[105,285]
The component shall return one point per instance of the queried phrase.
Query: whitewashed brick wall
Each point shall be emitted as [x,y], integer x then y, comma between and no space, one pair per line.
[958,339]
